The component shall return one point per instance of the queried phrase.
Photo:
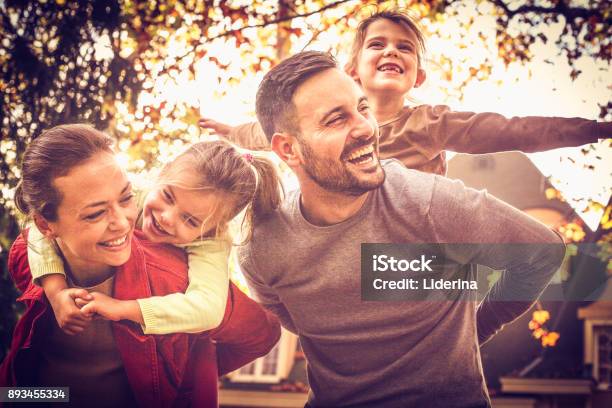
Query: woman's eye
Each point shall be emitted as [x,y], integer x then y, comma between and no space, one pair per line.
[127,198]
[364,108]
[375,44]
[94,216]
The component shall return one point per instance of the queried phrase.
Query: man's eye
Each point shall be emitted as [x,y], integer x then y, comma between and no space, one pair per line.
[94,216]
[335,120]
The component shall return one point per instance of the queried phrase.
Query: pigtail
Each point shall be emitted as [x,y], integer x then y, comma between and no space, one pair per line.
[268,193]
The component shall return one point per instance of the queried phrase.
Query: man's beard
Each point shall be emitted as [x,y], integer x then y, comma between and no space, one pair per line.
[333,174]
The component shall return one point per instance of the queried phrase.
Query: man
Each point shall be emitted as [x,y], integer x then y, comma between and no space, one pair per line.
[363,353]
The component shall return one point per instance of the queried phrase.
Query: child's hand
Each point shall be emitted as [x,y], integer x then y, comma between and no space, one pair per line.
[112,309]
[69,317]
[220,129]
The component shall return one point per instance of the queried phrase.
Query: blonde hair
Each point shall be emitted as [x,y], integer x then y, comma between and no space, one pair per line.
[246,181]
[395,16]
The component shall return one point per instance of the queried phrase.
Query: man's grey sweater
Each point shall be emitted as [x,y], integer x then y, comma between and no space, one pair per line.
[394,354]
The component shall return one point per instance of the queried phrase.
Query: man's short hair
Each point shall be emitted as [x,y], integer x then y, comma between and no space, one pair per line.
[274,101]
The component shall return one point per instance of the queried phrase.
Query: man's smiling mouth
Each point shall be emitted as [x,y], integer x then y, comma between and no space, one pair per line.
[362,155]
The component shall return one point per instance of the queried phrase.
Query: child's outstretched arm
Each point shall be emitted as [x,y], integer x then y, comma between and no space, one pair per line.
[438,128]
[200,308]
[248,135]
[47,271]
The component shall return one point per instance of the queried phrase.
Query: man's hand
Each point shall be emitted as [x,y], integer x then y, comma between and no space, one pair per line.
[110,308]
[220,129]
[69,317]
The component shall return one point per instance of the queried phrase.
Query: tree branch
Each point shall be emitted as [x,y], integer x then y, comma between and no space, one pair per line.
[561,8]
[264,24]
[279,20]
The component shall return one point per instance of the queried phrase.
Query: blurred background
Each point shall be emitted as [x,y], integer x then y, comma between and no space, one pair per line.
[146,71]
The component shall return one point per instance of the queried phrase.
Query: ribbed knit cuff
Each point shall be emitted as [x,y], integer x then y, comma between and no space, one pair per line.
[46,268]
[148,316]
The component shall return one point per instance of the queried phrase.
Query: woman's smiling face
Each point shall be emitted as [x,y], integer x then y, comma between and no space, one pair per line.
[96,214]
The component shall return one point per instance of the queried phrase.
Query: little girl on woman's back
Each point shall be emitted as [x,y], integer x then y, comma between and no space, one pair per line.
[194,198]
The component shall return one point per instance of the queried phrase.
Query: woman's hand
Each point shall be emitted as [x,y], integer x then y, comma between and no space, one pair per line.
[112,309]
[69,317]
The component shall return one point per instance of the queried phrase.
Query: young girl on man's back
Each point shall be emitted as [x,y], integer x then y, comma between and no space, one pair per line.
[387,61]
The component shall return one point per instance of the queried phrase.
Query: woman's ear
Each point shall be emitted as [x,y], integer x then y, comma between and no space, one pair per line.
[44,226]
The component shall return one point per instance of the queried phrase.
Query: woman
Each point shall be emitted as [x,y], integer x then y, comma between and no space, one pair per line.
[77,195]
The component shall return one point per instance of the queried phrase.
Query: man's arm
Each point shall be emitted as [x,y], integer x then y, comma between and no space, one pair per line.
[263,293]
[464,215]
[478,133]
[248,135]
[247,332]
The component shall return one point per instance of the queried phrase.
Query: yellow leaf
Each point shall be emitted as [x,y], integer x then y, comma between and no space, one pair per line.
[533,325]
[541,316]
[550,339]
[551,193]
[538,333]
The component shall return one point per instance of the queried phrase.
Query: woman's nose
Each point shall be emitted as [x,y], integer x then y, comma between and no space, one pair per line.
[120,218]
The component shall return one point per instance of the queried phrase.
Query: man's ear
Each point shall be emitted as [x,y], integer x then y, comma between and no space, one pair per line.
[421,77]
[285,147]
[44,226]
[352,72]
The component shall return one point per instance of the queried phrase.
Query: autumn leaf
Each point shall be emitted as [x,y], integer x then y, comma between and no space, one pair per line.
[606,220]
[541,316]
[533,325]
[574,74]
[550,339]
[538,333]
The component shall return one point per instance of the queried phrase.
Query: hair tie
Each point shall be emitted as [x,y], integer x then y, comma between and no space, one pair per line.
[249,159]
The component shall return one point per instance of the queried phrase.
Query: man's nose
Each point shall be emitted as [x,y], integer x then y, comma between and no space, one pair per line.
[362,127]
